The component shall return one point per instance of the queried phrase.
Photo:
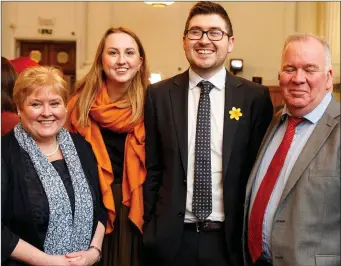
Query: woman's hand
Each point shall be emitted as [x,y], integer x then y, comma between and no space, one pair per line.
[82,258]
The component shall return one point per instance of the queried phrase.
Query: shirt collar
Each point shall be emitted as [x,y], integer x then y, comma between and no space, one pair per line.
[218,80]
[315,115]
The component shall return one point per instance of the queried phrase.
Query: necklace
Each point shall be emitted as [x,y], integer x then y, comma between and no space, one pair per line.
[53,152]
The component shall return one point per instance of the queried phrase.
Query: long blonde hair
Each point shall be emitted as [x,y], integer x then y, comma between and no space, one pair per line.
[92,83]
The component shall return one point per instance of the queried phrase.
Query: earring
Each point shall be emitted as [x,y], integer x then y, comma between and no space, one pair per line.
[18,113]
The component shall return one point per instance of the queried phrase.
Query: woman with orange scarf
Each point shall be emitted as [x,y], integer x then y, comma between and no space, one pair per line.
[107,109]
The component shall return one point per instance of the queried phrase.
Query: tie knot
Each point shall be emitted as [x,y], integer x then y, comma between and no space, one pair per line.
[294,121]
[205,86]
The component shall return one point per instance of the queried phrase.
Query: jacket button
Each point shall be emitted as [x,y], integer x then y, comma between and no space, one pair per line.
[180,214]
[185,181]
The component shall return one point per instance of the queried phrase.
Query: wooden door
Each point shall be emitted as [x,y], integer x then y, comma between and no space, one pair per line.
[63,55]
[37,51]
[52,53]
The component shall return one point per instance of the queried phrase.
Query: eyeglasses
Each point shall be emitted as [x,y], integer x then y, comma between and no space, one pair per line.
[212,35]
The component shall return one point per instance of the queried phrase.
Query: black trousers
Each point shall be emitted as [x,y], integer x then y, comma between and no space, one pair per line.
[202,249]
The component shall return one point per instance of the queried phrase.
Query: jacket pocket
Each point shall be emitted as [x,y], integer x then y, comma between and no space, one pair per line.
[327,260]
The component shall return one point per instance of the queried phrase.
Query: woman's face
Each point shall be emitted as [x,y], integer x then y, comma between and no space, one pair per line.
[43,114]
[121,58]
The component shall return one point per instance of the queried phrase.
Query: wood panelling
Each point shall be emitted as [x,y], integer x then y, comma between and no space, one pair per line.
[276,97]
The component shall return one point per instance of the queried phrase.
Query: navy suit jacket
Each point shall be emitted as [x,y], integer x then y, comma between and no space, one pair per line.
[166,125]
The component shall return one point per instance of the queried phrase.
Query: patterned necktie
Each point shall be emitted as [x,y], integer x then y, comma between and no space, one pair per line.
[202,188]
[264,192]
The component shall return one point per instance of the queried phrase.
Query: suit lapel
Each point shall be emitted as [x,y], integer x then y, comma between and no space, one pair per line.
[179,104]
[323,129]
[233,98]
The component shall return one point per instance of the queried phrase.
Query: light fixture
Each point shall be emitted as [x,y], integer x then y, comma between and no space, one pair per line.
[159,4]
[236,65]
[155,77]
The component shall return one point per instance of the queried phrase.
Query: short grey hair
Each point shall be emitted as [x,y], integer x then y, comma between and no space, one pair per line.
[305,36]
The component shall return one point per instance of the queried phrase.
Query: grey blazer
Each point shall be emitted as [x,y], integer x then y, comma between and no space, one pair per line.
[306,226]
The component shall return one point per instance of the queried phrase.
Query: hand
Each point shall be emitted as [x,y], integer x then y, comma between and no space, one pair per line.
[82,258]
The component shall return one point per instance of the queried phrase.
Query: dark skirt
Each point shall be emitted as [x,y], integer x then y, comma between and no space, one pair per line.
[123,246]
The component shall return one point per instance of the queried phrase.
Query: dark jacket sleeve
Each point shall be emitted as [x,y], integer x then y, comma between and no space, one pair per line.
[153,159]
[8,240]
[101,211]
[262,112]
[89,164]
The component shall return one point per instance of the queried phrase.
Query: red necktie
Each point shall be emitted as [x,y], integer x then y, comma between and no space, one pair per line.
[255,242]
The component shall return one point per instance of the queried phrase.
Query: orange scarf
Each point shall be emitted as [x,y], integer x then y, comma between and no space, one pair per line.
[107,114]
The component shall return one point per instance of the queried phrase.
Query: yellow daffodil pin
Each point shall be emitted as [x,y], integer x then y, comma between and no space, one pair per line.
[235,113]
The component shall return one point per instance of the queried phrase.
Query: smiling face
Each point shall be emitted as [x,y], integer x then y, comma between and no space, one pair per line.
[304,76]
[43,114]
[120,59]
[207,57]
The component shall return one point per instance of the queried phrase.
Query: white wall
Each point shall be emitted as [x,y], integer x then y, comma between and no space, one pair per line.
[20,20]
[260,29]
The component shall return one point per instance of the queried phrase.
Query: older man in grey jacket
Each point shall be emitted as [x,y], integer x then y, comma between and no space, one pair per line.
[292,205]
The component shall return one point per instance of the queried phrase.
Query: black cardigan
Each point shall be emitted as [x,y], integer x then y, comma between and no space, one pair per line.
[15,203]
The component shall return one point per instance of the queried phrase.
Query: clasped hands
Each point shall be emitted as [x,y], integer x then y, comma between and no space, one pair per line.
[80,258]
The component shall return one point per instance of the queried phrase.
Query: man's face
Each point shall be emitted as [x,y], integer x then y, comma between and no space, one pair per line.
[304,77]
[207,57]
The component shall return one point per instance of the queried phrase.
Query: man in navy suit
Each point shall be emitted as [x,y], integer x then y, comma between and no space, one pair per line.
[203,131]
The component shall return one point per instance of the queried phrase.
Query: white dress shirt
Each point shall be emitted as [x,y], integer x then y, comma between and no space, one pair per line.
[217,99]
